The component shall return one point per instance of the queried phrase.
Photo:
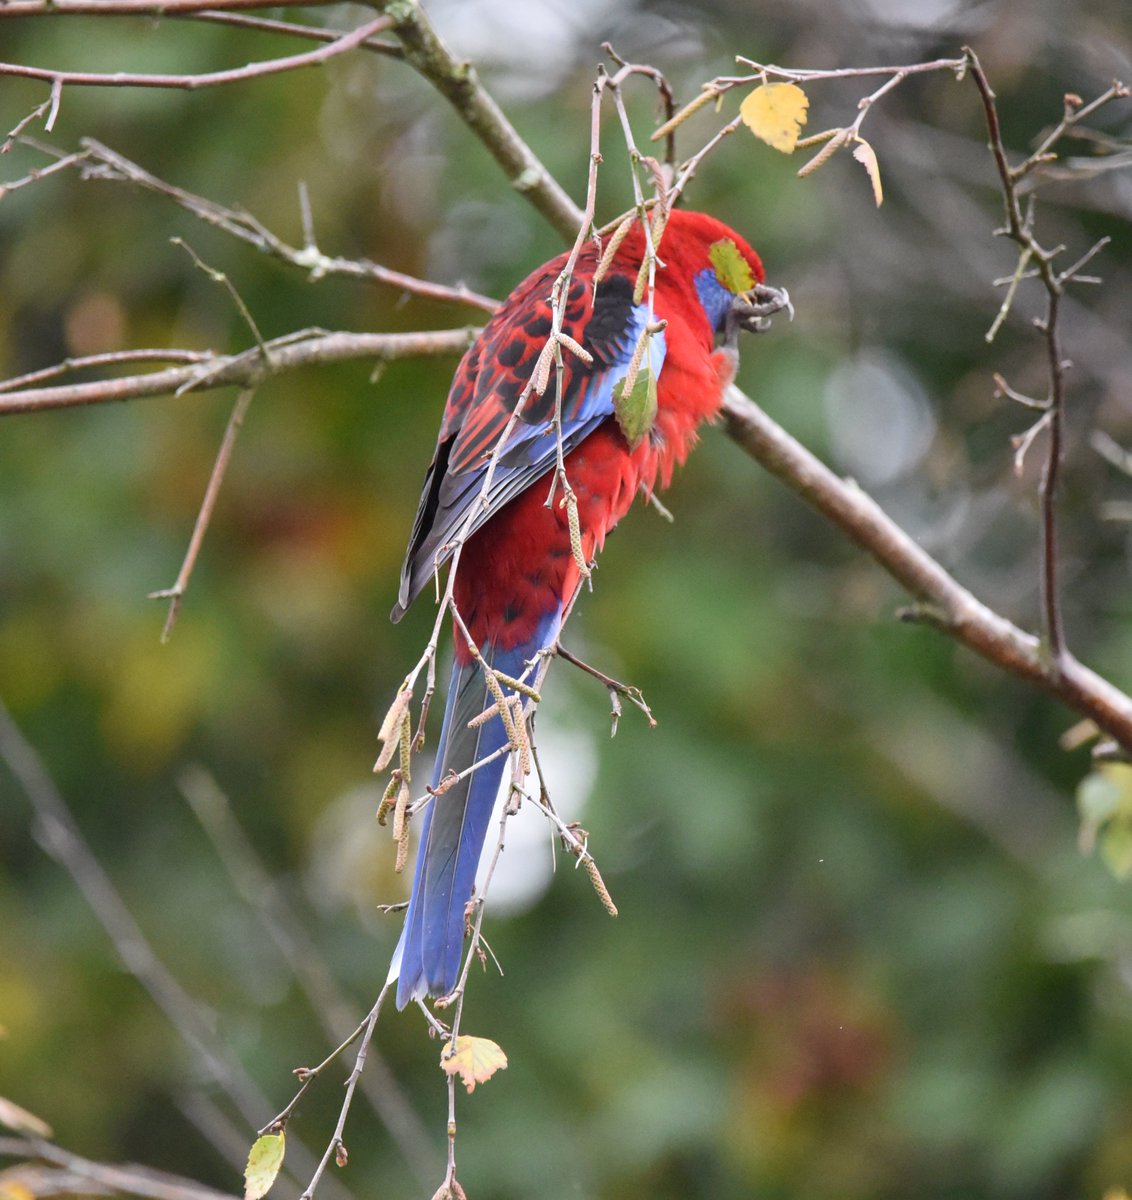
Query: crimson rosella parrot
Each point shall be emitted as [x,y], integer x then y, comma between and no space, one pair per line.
[518,573]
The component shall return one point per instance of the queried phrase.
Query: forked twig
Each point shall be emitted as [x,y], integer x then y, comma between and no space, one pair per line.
[176,593]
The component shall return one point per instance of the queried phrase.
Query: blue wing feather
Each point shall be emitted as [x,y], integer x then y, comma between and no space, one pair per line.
[455,825]
[486,390]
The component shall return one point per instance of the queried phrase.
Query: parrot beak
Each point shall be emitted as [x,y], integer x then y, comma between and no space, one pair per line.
[752,310]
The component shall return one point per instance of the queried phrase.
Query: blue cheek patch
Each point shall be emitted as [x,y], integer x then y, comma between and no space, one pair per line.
[714,298]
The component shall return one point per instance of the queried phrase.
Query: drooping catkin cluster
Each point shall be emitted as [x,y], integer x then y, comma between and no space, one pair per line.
[396,736]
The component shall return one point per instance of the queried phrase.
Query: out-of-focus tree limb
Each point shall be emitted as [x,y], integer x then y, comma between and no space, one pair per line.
[941,600]
[459,84]
[49,1170]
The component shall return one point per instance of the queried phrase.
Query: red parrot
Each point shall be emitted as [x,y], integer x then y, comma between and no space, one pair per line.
[517,573]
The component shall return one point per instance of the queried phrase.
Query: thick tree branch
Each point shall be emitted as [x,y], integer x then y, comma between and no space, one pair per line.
[459,84]
[954,608]
[946,604]
[241,370]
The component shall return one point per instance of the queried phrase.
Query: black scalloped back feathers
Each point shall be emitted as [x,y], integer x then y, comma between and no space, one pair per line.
[486,390]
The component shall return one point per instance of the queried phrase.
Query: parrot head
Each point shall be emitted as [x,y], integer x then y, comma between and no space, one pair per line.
[727,274]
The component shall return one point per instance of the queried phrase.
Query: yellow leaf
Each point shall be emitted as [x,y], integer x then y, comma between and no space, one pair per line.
[264,1161]
[475,1060]
[13,1189]
[866,156]
[731,268]
[19,1119]
[776,112]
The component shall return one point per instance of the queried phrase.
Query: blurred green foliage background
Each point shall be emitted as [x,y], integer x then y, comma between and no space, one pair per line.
[859,952]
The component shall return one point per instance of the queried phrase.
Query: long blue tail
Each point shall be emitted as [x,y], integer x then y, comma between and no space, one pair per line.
[455,826]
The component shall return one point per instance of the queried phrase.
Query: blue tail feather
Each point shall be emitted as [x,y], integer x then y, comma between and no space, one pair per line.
[455,825]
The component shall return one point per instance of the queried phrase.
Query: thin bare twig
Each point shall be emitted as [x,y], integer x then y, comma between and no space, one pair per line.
[285,927]
[48,110]
[664,90]
[98,161]
[1019,228]
[288,29]
[336,1145]
[226,283]
[139,8]
[633,694]
[239,370]
[271,66]
[1073,113]
[112,358]
[762,71]
[60,836]
[176,593]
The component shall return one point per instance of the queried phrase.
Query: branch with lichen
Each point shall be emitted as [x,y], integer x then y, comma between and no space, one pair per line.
[459,84]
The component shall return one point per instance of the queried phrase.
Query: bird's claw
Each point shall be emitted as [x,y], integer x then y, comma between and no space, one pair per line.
[753,309]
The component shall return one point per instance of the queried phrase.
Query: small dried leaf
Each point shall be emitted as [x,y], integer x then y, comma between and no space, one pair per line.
[264,1161]
[451,1190]
[22,1121]
[389,733]
[866,156]
[776,112]
[731,268]
[474,1059]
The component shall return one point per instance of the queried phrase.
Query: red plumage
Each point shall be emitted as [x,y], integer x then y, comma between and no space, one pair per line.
[517,573]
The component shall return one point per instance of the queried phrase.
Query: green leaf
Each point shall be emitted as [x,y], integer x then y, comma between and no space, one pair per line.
[1116,850]
[1098,798]
[1104,804]
[264,1161]
[731,268]
[636,411]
